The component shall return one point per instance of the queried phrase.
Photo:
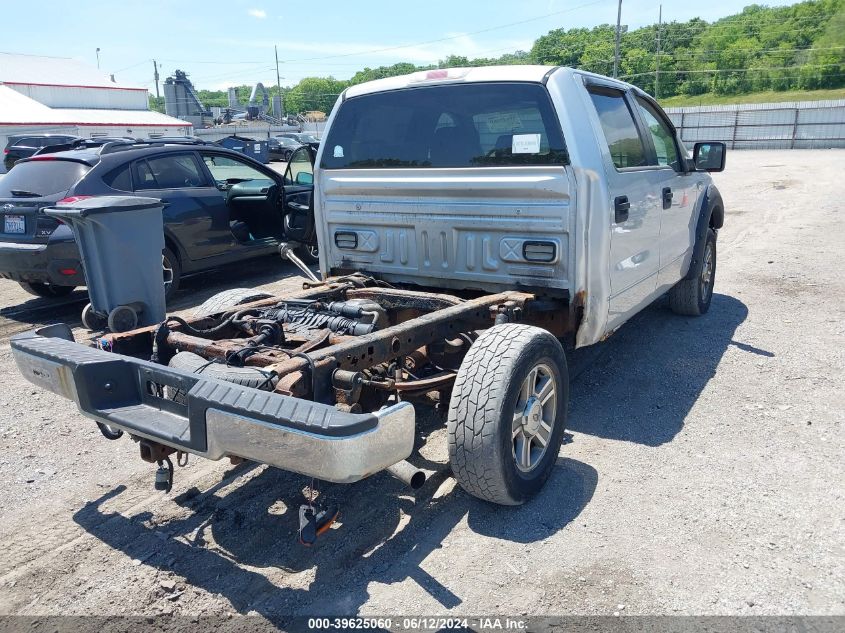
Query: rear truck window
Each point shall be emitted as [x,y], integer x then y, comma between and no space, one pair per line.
[41,178]
[468,125]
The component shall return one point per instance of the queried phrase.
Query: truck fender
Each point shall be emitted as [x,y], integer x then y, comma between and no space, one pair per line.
[711,213]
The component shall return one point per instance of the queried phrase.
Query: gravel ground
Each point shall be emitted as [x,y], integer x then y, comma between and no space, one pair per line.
[702,472]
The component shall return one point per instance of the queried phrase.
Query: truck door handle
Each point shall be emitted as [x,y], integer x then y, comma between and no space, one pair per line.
[667,197]
[621,207]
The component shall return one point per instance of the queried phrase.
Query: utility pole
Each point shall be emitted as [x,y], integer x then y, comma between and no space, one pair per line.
[657,61]
[618,33]
[278,115]
[98,57]
[155,76]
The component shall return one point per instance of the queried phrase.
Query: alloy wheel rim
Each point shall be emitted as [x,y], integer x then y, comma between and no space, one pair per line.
[167,273]
[707,273]
[534,417]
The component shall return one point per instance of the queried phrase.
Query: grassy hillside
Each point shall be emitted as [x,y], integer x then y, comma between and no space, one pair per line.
[768,96]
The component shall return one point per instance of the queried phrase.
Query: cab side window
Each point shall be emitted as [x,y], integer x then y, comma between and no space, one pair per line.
[620,132]
[661,134]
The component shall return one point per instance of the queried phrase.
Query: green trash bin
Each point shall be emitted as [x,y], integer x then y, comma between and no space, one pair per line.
[120,240]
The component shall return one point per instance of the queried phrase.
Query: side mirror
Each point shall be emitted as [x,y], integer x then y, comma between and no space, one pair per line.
[709,156]
[304,178]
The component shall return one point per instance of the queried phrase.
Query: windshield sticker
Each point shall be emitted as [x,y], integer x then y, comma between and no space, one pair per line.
[526,144]
[338,151]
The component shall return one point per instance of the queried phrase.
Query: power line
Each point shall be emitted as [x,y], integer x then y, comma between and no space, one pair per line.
[228,73]
[205,61]
[146,61]
[755,50]
[778,78]
[733,70]
[730,23]
[714,33]
[223,63]
[401,46]
[453,37]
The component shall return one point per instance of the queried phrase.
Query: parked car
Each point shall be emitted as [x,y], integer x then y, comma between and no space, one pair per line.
[281,147]
[303,138]
[80,143]
[469,220]
[220,207]
[25,145]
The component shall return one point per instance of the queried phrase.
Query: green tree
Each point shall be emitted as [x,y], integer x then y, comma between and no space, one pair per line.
[156,103]
[314,93]
[371,74]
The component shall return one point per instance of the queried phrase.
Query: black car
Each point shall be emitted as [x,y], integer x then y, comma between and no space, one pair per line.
[220,207]
[281,147]
[82,143]
[303,138]
[25,145]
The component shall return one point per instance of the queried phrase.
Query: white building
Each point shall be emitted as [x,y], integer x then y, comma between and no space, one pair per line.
[65,96]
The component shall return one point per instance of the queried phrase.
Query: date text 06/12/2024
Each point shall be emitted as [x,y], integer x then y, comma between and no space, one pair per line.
[420,623]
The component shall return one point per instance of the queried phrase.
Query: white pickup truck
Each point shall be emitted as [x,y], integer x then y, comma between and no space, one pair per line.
[469,220]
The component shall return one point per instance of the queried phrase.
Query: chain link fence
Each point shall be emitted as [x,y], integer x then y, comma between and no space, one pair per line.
[793,125]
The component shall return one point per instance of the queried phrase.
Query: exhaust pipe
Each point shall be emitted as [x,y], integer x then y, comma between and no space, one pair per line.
[286,251]
[408,474]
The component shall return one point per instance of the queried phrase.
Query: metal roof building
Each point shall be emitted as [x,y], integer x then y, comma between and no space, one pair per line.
[60,95]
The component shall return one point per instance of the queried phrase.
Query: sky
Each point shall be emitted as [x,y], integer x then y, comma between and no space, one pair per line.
[225,43]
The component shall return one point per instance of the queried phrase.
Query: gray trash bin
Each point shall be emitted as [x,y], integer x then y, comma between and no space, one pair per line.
[120,239]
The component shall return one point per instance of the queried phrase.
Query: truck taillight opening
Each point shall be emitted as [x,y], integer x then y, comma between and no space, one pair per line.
[346,239]
[545,252]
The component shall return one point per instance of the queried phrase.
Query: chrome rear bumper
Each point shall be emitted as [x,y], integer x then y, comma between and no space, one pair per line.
[218,419]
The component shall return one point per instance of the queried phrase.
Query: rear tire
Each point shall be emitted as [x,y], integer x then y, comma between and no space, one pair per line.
[48,291]
[507,413]
[691,297]
[222,301]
